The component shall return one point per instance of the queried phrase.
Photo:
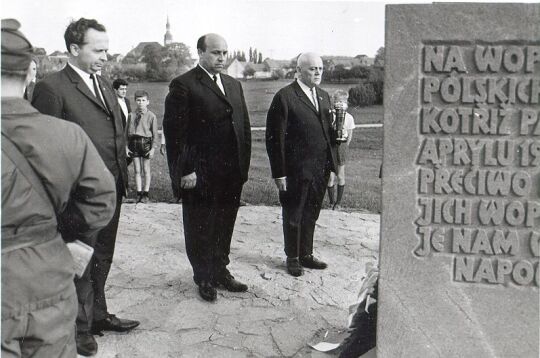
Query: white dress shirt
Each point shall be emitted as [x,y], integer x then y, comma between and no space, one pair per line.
[123,105]
[85,76]
[310,92]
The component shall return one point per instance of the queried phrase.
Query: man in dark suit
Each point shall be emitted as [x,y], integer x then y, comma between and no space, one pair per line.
[77,94]
[120,88]
[208,140]
[301,149]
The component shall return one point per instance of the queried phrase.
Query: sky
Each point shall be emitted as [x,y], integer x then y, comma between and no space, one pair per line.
[278,29]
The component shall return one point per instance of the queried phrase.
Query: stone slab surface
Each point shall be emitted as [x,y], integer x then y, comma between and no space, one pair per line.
[151,281]
[459,270]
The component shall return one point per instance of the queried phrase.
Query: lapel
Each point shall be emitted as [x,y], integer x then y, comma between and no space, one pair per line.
[82,87]
[107,96]
[229,88]
[323,107]
[304,98]
[208,82]
[128,104]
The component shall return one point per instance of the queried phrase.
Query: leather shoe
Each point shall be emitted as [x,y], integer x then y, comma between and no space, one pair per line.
[311,262]
[207,291]
[113,323]
[231,284]
[86,344]
[293,266]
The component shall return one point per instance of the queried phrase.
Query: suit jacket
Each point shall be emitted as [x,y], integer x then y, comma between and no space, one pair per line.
[296,135]
[65,95]
[197,118]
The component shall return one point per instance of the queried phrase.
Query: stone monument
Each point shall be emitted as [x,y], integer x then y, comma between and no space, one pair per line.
[460,229]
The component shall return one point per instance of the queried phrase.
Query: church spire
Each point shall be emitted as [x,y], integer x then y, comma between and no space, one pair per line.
[167,39]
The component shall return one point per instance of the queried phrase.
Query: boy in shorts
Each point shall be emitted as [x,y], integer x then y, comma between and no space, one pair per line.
[341,96]
[141,131]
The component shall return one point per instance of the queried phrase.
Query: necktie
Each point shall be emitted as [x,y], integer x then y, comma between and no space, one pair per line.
[138,119]
[96,90]
[218,84]
[314,98]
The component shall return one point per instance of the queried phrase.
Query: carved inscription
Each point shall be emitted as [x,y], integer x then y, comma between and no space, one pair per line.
[478,162]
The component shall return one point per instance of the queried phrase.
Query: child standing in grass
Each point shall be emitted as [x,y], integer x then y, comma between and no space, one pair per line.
[342,97]
[141,131]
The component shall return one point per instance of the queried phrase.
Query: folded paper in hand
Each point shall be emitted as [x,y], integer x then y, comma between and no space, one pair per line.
[82,254]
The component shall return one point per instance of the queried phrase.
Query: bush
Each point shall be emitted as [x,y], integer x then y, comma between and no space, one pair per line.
[376,78]
[362,95]
[248,72]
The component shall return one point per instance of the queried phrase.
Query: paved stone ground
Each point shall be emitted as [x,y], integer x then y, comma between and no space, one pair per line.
[151,280]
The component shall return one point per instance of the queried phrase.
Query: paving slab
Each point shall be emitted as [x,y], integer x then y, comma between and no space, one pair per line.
[151,281]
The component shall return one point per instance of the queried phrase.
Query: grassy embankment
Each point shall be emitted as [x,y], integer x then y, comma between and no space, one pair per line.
[365,152]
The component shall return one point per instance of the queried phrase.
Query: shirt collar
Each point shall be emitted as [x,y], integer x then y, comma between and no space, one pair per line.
[305,88]
[211,75]
[84,75]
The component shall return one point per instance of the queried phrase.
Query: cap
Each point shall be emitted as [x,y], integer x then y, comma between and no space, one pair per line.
[16,49]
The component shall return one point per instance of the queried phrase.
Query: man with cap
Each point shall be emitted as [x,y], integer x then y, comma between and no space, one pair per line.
[79,95]
[55,188]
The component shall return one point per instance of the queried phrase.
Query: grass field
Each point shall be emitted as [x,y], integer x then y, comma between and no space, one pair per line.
[363,187]
[258,95]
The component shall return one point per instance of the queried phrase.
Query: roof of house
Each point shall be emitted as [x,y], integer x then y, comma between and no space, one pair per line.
[258,67]
[273,64]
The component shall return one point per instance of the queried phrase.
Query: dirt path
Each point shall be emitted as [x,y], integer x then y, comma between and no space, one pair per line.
[151,280]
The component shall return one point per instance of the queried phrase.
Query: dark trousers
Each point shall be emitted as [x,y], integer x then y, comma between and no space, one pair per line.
[209,215]
[301,205]
[91,286]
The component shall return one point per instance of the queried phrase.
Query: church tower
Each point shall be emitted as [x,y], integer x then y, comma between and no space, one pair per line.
[167,39]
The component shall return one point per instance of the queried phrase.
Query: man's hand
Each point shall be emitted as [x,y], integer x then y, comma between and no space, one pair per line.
[162,149]
[151,153]
[188,181]
[281,183]
[128,153]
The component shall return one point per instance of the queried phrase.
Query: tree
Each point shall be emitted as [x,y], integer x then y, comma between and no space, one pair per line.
[251,54]
[248,72]
[153,57]
[260,58]
[179,56]
[243,56]
[379,57]
[39,51]
[359,72]
[254,59]
[164,63]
